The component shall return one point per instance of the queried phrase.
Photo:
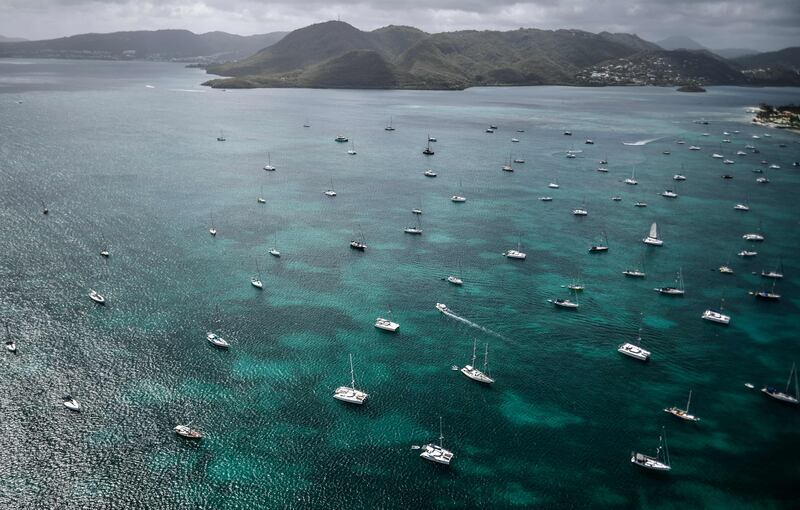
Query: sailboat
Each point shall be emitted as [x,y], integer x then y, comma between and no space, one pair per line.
[436,452]
[652,237]
[770,295]
[516,254]
[11,345]
[636,272]
[429,173]
[268,167]
[414,230]
[389,126]
[212,230]
[683,413]
[330,192]
[428,151]
[306,124]
[359,244]
[784,395]
[352,149]
[475,374]
[632,179]
[255,281]
[602,246]
[274,250]
[260,198]
[458,198]
[507,167]
[776,274]
[565,303]
[221,137]
[188,432]
[633,349]
[660,462]
[717,316]
[678,290]
[349,393]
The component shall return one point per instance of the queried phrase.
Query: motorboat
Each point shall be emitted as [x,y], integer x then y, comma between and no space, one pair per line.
[443,308]
[458,199]
[545,199]
[668,193]
[188,432]
[747,253]
[429,173]
[564,303]
[725,269]
[753,237]
[217,341]
[71,404]
[274,252]
[341,139]
[455,280]
[634,273]
[742,207]
[96,297]
[640,204]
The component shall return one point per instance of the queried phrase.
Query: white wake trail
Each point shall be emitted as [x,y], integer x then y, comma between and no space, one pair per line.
[468,322]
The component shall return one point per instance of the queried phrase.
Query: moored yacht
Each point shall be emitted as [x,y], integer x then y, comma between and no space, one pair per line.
[753,237]
[653,238]
[437,452]
[359,244]
[683,413]
[350,394]
[341,139]
[784,395]
[602,246]
[659,462]
[668,193]
[716,316]
[217,341]
[455,280]
[633,349]
[268,167]
[386,324]
[678,177]
[767,295]
[429,173]
[564,303]
[632,179]
[742,207]
[677,290]
[516,254]
[747,253]
[188,432]
[475,374]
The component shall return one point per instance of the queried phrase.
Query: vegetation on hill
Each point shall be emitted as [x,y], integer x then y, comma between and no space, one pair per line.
[153,45]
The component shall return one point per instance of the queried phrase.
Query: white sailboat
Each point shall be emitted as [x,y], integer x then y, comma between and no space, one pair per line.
[634,349]
[260,198]
[659,462]
[784,395]
[717,316]
[268,167]
[221,137]
[330,191]
[600,247]
[632,179]
[475,374]
[436,452]
[416,229]
[517,254]
[188,432]
[11,345]
[350,394]
[389,126]
[458,198]
[652,237]
[352,150]
[255,281]
[683,413]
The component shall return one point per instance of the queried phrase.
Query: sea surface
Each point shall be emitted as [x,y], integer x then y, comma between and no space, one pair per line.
[125,157]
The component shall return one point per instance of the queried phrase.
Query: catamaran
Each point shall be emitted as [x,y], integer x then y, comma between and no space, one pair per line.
[784,395]
[632,179]
[516,254]
[717,316]
[436,452]
[330,191]
[349,393]
[414,230]
[386,324]
[683,413]
[429,173]
[633,349]
[428,151]
[652,237]
[660,462]
[475,374]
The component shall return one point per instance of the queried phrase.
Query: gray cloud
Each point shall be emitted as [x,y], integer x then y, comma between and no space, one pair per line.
[758,24]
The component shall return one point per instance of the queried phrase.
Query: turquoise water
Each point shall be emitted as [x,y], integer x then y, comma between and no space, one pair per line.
[124,155]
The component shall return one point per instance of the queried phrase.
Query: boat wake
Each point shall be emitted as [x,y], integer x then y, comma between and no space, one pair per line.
[641,142]
[468,322]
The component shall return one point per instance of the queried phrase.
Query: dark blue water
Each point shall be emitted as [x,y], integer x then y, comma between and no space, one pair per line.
[124,156]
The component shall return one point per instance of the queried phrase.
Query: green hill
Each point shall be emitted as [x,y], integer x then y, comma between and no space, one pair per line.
[153,45]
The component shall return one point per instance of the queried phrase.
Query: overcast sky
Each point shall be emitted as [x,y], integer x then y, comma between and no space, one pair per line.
[757,24]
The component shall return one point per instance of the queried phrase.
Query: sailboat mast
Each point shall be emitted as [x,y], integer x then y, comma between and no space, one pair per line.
[486,359]
[788,382]
[352,374]
[666,448]
[474,346]
[441,436]
[689,401]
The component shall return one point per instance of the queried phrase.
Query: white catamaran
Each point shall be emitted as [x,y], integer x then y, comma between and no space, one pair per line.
[652,237]
[349,393]
[436,452]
